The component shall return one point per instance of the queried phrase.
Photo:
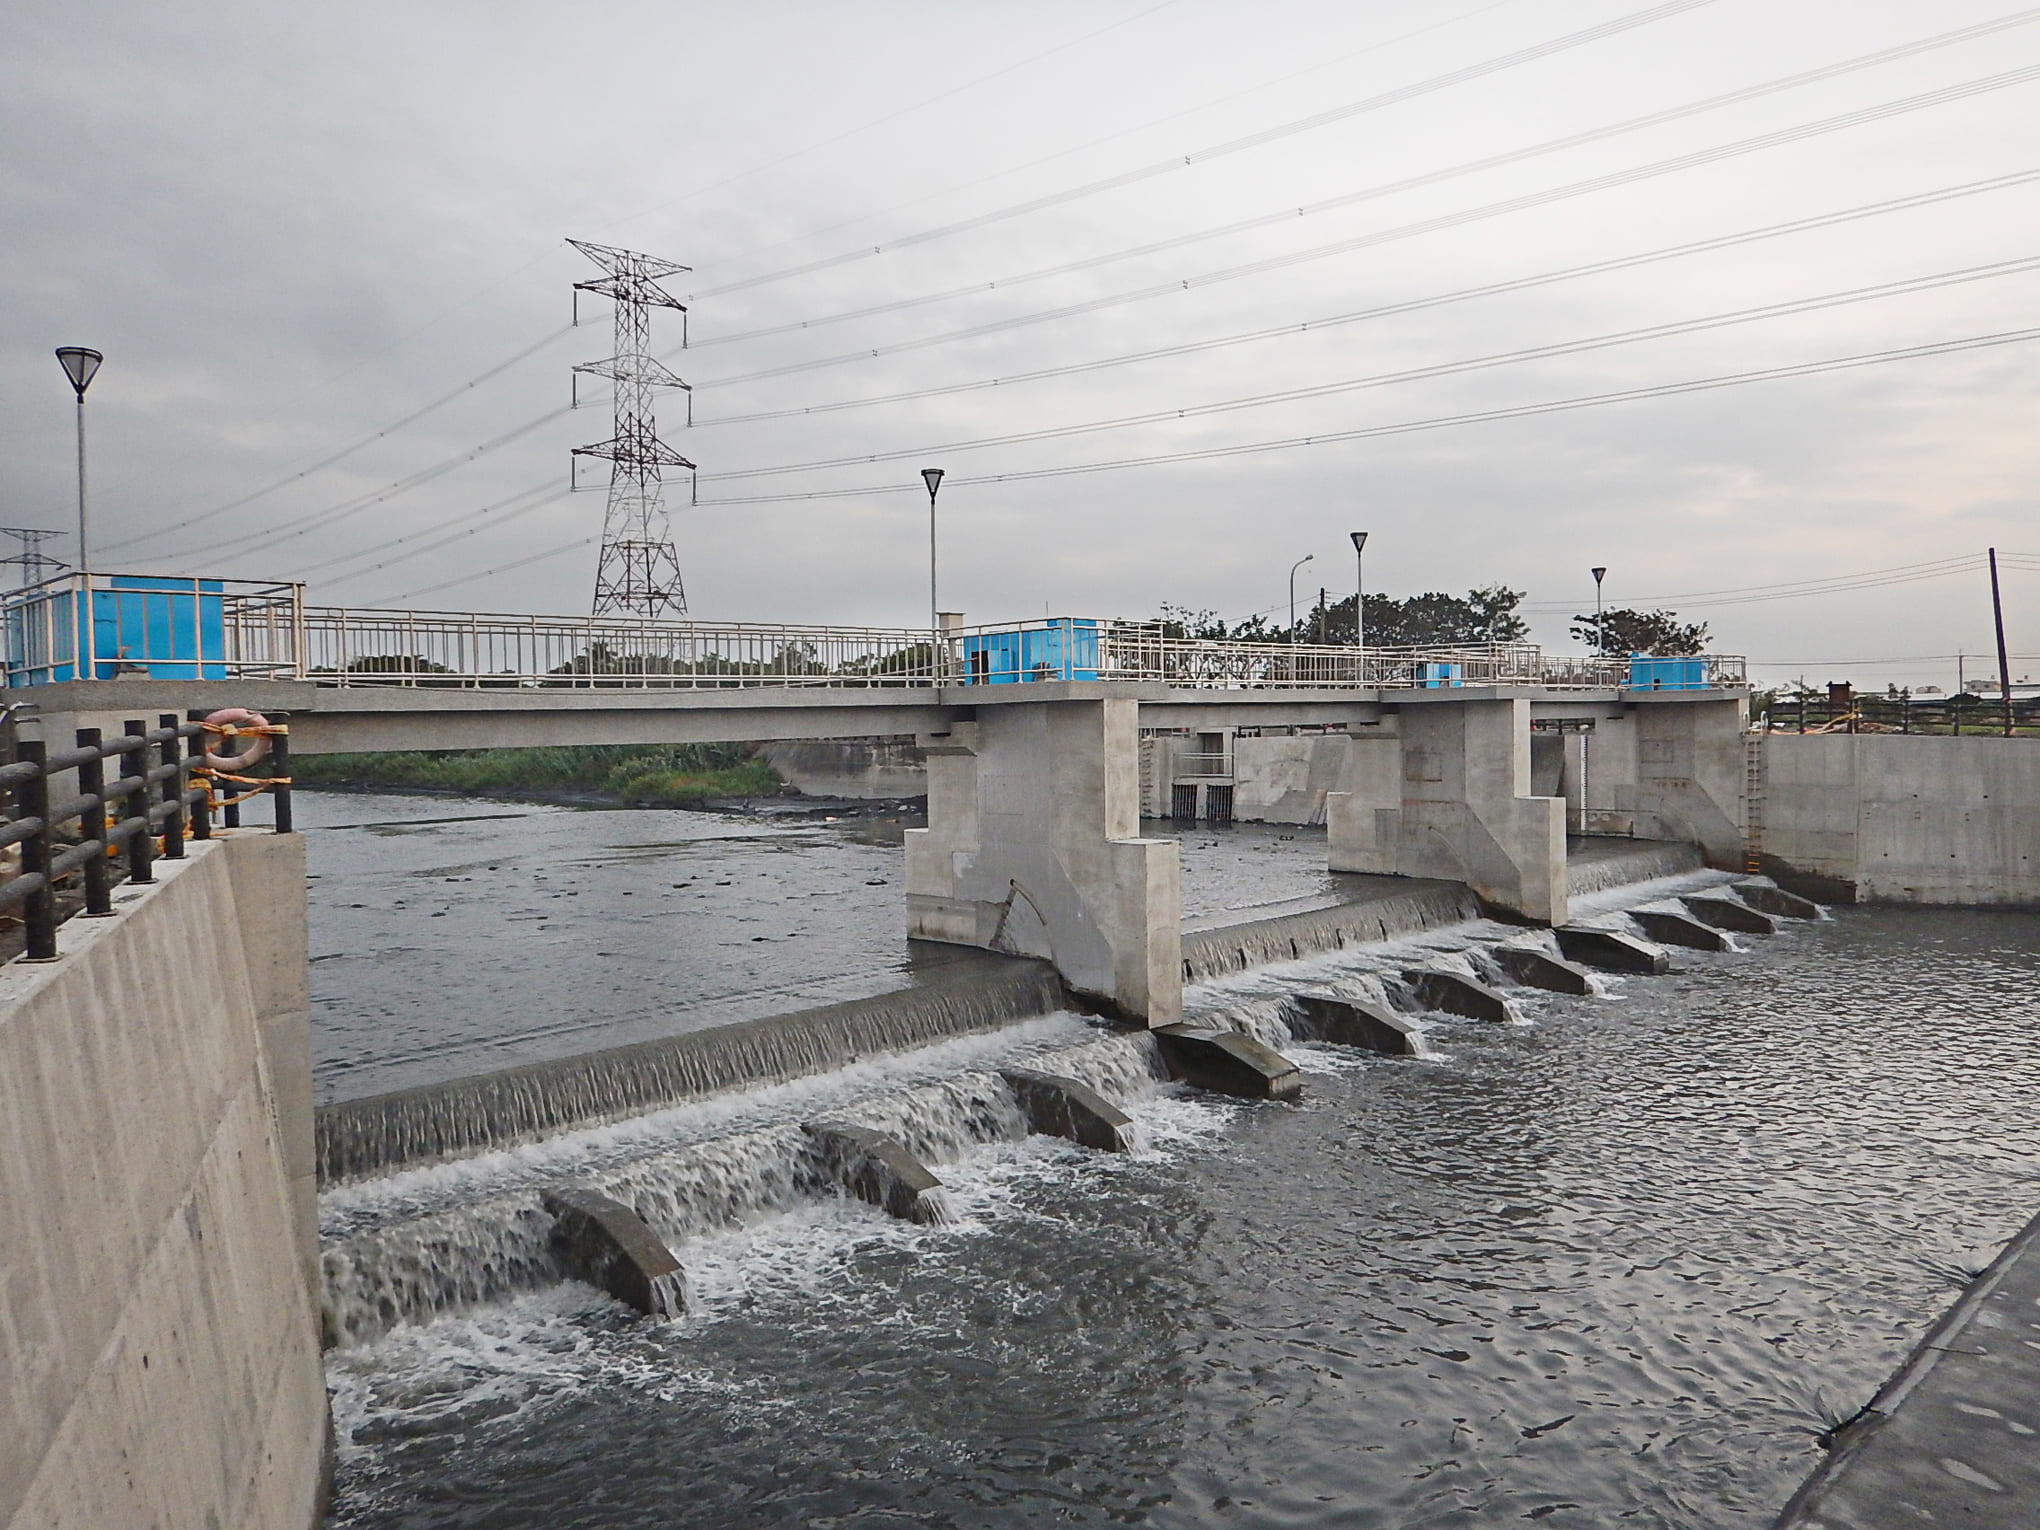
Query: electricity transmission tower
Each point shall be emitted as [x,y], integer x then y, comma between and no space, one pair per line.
[35,564]
[639,571]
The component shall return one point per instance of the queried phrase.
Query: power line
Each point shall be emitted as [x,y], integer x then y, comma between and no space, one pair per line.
[1476,417]
[349,450]
[1412,374]
[1412,305]
[525,501]
[1232,146]
[447,584]
[1857,118]
[1808,586]
[1430,178]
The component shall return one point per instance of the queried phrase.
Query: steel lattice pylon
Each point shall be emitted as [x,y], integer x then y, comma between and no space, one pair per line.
[639,571]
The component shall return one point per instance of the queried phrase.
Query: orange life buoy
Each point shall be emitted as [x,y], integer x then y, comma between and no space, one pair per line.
[237,717]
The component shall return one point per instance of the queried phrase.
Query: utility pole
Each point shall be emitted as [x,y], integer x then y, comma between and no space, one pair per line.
[1323,616]
[639,570]
[1997,611]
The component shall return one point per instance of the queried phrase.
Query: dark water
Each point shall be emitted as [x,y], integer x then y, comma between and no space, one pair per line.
[1614,1267]
[453,937]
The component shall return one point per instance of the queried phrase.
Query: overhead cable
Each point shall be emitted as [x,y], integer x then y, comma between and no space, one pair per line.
[1232,146]
[1440,422]
[1412,374]
[1856,118]
[1430,178]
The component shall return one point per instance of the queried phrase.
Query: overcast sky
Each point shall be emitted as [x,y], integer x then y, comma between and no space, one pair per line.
[292,229]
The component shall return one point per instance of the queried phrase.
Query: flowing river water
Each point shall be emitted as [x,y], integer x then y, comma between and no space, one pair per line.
[1618,1264]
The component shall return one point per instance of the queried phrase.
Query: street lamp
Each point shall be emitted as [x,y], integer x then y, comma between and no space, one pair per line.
[1292,592]
[1359,588]
[81,365]
[1600,632]
[932,477]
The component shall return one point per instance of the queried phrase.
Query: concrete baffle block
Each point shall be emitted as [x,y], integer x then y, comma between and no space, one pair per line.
[1540,969]
[1062,1107]
[1228,1062]
[608,1245]
[1728,914]
[877,1168]
[1355,1023]
[1033,848]
[1679,930]
[1612,951]
[1767,899]
[1455,993]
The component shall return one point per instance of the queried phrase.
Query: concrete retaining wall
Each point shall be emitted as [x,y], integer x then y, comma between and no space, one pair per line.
[1895,818]
[1285,778]
[159,1358]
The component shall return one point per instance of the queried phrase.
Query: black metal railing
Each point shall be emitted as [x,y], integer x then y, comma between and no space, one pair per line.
[1964,714]
[160,795]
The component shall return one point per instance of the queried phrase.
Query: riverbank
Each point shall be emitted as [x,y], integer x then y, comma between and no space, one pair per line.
[670,775]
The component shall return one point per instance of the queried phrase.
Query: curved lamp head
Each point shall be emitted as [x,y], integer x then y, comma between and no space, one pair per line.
[1359,539]
[1599,574]
[932,477]
[79,365]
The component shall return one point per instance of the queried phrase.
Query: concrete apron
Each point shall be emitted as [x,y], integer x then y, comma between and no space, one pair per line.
[1954,1438]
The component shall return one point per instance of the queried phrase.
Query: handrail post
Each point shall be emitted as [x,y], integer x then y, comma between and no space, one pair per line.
[279,756]
[135,762]
[172,757]
[92,783]
[39,909]
[194,758]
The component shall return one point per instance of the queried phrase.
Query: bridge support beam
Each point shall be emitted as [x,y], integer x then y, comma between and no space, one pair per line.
[1033,847]
[1466,814]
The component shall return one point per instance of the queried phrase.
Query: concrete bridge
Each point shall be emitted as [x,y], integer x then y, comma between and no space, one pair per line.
[1035,789]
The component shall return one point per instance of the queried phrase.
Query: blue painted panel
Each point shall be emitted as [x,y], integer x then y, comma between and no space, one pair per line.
[1064,648]
[1649,674]
[1434,673]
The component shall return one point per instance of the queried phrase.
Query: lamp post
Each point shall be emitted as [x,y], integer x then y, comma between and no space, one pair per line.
[1600,632]
[81,365]
[932,477]
[1292,592]
[1359,588]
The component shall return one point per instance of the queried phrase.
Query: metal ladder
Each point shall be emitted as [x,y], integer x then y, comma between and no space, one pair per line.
[1753,801]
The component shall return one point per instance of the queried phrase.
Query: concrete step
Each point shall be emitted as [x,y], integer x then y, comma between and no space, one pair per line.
[1228,1062]
[1355,1023]
[608,1245]
[1727,914]
[1062,1107]
[1679,930]
[1456,994]
[1540,969]
[1765,898]
[1611,951]
[876,1168]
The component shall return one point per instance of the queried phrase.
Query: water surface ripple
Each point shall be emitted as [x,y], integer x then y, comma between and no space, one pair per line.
[1615,1267]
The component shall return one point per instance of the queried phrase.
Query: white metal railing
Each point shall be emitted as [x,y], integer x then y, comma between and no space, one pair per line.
[1201,766]
[179,628]
[104,626]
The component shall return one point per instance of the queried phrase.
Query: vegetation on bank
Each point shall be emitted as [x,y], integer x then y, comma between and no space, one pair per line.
[668,775]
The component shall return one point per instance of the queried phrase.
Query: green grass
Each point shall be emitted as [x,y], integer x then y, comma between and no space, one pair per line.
[674,775]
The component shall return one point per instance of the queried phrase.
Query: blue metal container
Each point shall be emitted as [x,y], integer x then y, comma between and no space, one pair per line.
[1435,673]
[1683,674]
[1062,648]
[166,629]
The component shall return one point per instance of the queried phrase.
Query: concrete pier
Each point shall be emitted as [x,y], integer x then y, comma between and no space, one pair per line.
[1033,848]
[1467,813]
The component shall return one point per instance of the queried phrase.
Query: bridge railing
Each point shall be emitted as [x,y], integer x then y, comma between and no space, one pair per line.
[106,626]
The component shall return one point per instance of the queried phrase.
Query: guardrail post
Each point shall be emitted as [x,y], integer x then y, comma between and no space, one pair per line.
[92,825]
[39,909]
[135,762]
[279,755]
[173,789]
[194,757]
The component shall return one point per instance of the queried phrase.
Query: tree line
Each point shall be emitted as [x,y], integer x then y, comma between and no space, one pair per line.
[1436,619]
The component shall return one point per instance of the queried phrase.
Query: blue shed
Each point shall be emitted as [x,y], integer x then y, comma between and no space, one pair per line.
[1060,648]
[1653,674]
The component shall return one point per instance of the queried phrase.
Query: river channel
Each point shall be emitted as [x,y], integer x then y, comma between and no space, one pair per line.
[1616,1265]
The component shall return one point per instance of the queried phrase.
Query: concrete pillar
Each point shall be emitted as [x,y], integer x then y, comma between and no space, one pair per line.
[1466,813]
[1033,847]
[1689,774]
